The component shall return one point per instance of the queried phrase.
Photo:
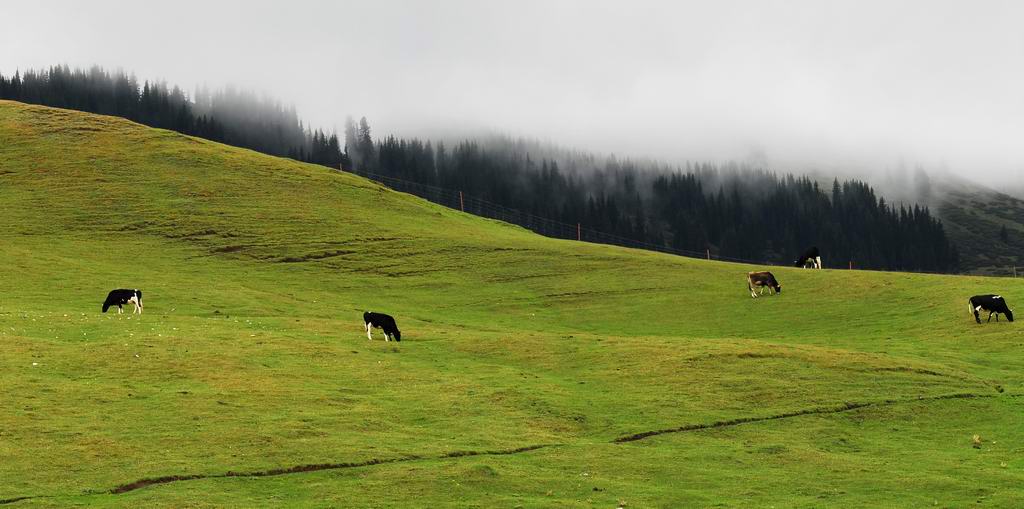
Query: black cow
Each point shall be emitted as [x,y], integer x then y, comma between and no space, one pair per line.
[994,304]
[763,280]
[811,258]
[381,321]
[120,297]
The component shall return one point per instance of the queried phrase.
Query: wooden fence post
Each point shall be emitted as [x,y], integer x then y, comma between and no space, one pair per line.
[462,203]
[579,232]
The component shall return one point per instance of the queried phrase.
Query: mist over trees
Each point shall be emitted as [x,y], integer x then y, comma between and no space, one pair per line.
[730,210]
[228,116]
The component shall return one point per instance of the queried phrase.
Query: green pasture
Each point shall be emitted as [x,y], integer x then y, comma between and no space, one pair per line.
[523,358]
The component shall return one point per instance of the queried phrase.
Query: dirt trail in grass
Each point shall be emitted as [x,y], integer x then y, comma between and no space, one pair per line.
[298,469]
[843,407]
[143,483]
[6,501]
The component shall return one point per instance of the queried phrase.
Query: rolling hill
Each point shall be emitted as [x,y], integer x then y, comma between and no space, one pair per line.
[532,373]
[974,216]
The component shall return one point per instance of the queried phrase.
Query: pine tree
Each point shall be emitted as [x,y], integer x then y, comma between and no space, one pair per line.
[352,142]
[364,140]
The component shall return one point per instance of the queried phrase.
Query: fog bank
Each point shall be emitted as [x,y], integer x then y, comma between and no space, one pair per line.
[824,86]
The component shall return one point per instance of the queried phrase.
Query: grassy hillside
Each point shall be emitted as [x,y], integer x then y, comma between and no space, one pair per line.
[973,217]
[532,372]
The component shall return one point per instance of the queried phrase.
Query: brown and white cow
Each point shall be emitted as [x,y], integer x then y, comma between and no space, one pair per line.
[763,280]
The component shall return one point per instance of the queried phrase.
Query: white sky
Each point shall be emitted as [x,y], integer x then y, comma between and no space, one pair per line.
[818,83]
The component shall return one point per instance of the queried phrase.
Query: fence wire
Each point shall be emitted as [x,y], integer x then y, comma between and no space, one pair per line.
[540,225]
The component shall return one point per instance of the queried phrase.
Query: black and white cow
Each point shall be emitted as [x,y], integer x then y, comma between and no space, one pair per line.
[121,297]
[811,258]
[994,304]
[383,322]
[763,280]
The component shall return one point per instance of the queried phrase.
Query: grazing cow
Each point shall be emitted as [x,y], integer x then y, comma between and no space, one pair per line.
[763,280]
[811,258]
[994,304]
[383,322]
[120,297]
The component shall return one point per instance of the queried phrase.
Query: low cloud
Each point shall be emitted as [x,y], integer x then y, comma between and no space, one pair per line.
[851,86]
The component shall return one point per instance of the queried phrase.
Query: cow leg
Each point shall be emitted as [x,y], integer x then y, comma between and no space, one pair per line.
[120,310]
[989,317]
[818,261]
[368,335]
[997,317]
[977,317]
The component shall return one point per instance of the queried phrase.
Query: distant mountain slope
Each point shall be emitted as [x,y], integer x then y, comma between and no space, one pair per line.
[972,214]
[974,217]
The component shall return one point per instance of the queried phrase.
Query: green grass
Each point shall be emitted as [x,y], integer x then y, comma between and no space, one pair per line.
[251,356]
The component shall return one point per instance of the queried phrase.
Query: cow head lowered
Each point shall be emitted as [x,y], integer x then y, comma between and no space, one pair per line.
[994,304]
[763,280]
[381,321]
[811,258]
[123,296]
